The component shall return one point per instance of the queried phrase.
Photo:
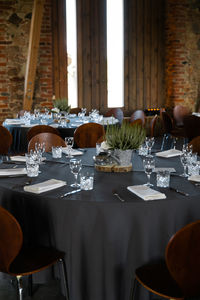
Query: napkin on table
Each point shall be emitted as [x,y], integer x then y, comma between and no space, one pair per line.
[44,186]
[13,172]
[73,151]
[169,153]
[145,192]
[164,169]
[194,178]
[14,121]
[21,158]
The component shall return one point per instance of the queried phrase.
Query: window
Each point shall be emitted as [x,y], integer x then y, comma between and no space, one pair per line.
[115,53]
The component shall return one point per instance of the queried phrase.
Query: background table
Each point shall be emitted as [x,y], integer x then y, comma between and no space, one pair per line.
[104,239]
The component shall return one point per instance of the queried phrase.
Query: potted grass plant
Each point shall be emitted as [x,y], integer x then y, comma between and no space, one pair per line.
[124,139]
[61,106]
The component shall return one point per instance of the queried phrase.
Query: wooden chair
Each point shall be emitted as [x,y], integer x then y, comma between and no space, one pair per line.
[179,112]
[136,122]
[195,142]
[18,260]
[178,275]
[75,110]
[87,135]
[153,125]
[138,114]
[39,129]
[6,140]
[117,113]
[191,125]
[50,139]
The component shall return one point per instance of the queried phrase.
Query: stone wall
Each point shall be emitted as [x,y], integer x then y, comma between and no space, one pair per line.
[15,19]
[182,52]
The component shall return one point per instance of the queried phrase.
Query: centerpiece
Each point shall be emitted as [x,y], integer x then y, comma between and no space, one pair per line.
[123,140]
[61,106]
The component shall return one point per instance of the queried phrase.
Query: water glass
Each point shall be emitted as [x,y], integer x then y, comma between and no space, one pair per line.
[143,150]
[149,166]
[69,142]
[98,147]
[193,168]
[32,166]
[163,178]
[75,166]
[86,181]
[56,152]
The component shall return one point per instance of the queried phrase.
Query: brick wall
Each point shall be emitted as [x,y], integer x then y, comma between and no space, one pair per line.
[182,52]
[15,18]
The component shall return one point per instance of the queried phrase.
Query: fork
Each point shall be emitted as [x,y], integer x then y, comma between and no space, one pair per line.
[115,193]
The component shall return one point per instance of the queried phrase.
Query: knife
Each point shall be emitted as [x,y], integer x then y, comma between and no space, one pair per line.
[70,193]
[178,191]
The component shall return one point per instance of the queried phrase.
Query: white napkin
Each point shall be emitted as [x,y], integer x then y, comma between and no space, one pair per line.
[194,178]
[44,186]
[14,121]
[74,152]
[109,120]
[145,192]
[13,172]
[29,125]
[54,125]
[164,169]
[22,158]
[169,153]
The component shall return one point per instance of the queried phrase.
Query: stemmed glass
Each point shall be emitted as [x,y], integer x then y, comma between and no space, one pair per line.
[184,161]
[69,142]
[75,166]
[149,143]
[149,166]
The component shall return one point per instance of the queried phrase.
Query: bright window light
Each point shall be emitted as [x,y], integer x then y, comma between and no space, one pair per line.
[115,53]
[71,52]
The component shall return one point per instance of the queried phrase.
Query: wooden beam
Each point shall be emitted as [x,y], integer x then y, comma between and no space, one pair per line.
[31,65]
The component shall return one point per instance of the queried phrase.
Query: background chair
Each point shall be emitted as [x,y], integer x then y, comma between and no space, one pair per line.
[39,129]
[87,135]
[195,142]
[6,140]
[191,125]
[137,122]
[117,113]
[138,114]
[75,110]
[179,112]
[50,139]
[18,260]
[178,276]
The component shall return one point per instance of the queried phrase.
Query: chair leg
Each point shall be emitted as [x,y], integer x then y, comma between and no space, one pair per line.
[20,287]
[132,294]
[62,263]
[30,285]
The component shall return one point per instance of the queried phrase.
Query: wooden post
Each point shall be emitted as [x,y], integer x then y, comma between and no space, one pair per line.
[34,40]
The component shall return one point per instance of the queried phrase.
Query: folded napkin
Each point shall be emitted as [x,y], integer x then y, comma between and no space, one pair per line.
[74,152]
[54,125]
[29,125]
[164,169]
[169,153]
[194,178]
[109,120]
[145,192]
[14,121]
[44,186]
[22,158]
[13,172]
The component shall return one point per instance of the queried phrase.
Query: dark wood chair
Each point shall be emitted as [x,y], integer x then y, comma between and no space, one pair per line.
[153,126]
[75,110]
[178,275]
[18,260]
[138,115]
[195,143]
[50,139]
[39,129]
[191,125]
[117,113]
[137,122]
[179,112]
[87,135]
[6,140]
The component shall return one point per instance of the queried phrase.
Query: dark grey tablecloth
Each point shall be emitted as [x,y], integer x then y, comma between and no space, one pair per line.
[104,239]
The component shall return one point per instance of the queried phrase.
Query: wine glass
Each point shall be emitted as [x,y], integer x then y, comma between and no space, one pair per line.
[149,143]
[75,166]
[149,166]
[184,161]
[69,142]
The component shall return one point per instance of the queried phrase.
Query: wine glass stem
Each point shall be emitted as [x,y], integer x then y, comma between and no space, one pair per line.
[148,179]
[184,168]
[76,177]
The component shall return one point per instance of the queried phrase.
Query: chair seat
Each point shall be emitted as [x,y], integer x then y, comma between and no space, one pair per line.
[33,259]
[157,279]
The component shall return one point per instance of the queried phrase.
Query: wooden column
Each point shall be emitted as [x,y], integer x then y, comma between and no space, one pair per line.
[31,65]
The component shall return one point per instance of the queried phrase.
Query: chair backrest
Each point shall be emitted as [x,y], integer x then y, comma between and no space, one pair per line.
[75,110]
[138,114]
[115,112]
[153,125]
[191,125]
[6,140]
[195,142]
[137,122]
[11,239]
[166,121]
[50,139]
[183,259]
[179,112]
[39,129]
[86,135]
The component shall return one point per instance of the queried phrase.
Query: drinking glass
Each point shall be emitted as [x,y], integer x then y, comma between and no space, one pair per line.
[149,143]
[75,166]
[69,142]
[184,161]
[149,166]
